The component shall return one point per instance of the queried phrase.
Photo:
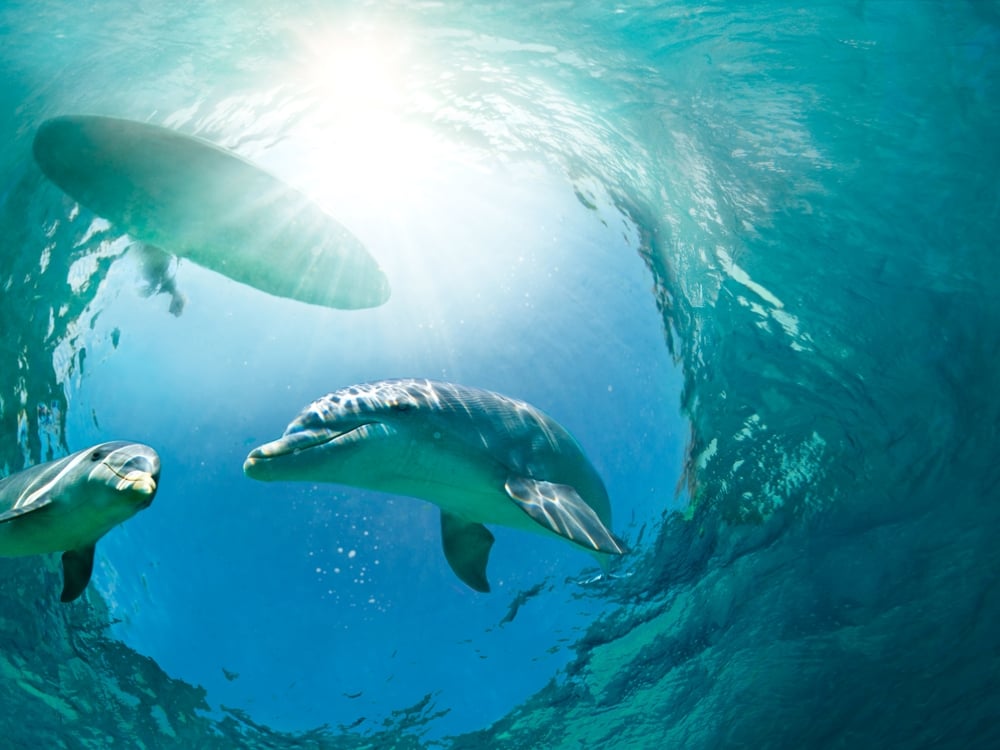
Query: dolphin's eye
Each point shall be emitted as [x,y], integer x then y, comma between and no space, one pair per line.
[402,406]
[96,456]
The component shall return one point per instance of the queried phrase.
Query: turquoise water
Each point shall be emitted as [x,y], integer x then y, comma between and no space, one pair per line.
[743,252]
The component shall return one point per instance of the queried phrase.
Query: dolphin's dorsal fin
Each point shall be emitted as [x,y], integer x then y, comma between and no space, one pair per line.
[560,508]
[467,549]
[78,564]
[36,504]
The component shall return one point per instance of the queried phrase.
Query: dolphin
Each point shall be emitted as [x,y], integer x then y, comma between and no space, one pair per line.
[68,504]
[202,202]
[481,457]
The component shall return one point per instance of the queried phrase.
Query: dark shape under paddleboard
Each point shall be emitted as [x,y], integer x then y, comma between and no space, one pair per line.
[211,206]
[159,272]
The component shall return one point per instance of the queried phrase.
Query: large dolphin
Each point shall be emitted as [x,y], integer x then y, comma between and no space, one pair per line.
[68,504]
[202,202]
[483,458]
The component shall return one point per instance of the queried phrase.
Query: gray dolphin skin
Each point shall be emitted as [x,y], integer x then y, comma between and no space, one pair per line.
[68,504]
[202,202]
[482,457]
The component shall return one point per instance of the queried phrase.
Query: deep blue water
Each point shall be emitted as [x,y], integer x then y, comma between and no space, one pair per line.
[743,252]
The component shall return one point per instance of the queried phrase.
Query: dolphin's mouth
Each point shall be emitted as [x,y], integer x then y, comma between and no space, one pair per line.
[139,474]
[138,481]
[303,440]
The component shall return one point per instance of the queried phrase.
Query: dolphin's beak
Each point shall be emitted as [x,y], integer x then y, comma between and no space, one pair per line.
[256,461]
[286,445]
[292,442]
[142,483]
[299,441]
[139,474]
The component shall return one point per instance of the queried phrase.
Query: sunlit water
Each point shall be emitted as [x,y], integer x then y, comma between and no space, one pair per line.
[312,593]
[743,255]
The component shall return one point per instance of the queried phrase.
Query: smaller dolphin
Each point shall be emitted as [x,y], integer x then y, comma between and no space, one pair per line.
[479,456]
[68,504]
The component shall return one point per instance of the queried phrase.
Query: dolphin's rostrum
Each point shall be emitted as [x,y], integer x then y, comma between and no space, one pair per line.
[482,457]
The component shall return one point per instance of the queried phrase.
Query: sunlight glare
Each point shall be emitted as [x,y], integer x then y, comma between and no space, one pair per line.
[365,150]
[356,137]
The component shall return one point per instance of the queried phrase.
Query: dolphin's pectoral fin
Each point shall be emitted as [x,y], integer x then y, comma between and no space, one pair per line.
[78,564]
[467,549]
[31,507]
[559,508]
